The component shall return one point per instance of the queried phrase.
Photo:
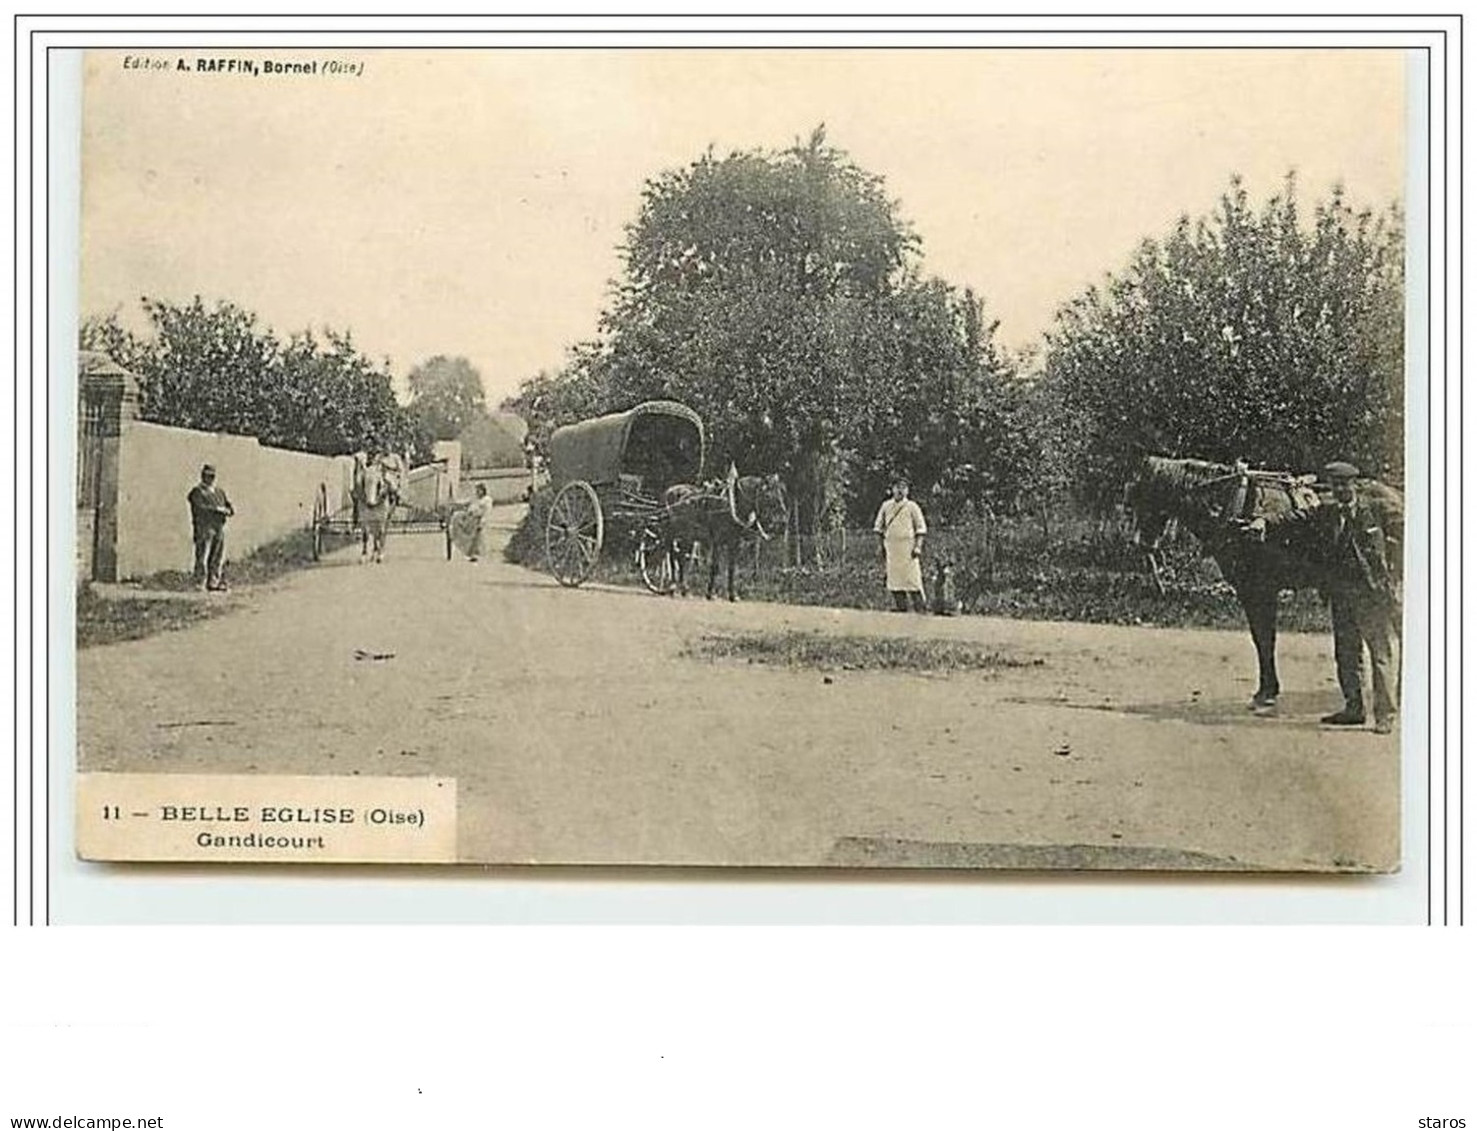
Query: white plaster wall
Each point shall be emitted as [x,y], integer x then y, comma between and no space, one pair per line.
[273,491]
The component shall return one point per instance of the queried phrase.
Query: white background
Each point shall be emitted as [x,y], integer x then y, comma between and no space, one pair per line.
[1234,1029]
[83,893]
[1015,1027]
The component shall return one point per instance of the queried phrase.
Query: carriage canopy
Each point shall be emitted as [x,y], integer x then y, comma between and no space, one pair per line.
[659,442]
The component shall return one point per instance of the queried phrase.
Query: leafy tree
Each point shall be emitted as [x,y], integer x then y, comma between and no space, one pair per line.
[773,292]
[106,334]
[492,441]
[214,369]
[1244,335]
[332,399]
[748,281]
[446,396]
[947,407]
[550,400]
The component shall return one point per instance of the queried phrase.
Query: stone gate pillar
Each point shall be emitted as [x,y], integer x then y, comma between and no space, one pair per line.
[449,452]
[108,397]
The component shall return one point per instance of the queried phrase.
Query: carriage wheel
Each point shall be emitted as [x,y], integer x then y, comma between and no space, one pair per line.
[575,533]
[654,557]
[320,517]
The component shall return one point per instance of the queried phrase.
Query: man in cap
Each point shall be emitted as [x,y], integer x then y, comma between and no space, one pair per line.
[901,527]
[1360,535]
[209,509]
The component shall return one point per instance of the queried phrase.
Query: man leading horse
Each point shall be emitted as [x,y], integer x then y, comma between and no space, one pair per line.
[1269,531]
[1361,537]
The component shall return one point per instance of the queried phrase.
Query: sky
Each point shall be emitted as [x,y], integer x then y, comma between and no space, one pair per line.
[473,202]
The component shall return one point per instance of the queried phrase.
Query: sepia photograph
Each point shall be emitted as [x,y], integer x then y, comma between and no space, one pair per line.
[814,458]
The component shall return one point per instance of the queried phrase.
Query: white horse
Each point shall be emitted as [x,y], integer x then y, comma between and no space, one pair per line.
[374,495]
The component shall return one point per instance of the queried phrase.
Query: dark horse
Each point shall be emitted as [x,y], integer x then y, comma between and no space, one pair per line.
[722,516]
[1214,502]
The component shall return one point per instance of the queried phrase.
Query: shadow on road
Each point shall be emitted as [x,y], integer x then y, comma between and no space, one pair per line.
[1299,710]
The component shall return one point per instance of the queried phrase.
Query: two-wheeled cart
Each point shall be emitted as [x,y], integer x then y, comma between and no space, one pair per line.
[404,519]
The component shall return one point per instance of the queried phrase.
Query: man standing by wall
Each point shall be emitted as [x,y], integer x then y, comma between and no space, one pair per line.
[209,509]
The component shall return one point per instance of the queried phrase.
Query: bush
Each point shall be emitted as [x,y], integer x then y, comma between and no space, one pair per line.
[526,546]
[1068,567]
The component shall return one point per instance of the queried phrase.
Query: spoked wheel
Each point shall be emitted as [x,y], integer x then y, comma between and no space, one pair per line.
[575,533]
[320,518]
[654,557]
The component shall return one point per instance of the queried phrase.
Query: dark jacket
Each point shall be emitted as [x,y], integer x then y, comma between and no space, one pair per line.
[1361,546]
[209,507]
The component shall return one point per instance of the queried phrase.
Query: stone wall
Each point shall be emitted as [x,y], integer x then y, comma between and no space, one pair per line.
[273,491]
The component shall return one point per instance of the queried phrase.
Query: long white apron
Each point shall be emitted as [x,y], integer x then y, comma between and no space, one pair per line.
[898,523]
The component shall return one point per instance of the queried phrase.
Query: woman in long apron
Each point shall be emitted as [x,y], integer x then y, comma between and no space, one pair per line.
[469,527]
[901,527]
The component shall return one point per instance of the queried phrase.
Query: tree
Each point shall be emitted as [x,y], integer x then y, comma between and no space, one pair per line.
[106,334]
[446,396]
[748,282]
[775,294]
[333,400]
[1244,335]
[946,408]
[214,369]
[549,400]
[493,441]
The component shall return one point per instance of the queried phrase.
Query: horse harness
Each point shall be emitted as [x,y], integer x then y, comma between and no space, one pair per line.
[753,522]
[1242,506]
[729,495]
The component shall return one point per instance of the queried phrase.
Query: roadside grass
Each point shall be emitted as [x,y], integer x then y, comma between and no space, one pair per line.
[276,559]
[113,619]
[853,653]
[526,543]
[1073,568]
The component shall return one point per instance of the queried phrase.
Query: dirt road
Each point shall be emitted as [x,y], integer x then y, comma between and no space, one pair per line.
[579,732]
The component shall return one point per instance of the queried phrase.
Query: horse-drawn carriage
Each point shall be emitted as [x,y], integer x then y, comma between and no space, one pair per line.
[613,472]
[638,473]
[379,503]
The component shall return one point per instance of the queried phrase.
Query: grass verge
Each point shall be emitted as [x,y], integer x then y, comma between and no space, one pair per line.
[112,619]
[1080,569]
[854,653]
[264,564]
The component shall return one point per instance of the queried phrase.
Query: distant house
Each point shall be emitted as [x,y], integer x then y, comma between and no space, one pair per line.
[494,441]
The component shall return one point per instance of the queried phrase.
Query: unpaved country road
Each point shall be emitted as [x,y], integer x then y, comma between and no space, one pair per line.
[579,732]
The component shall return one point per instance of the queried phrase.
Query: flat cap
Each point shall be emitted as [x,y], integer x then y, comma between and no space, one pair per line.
[1341,470]
[207,470]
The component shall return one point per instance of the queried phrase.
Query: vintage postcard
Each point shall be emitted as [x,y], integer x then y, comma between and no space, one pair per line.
[812,458]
